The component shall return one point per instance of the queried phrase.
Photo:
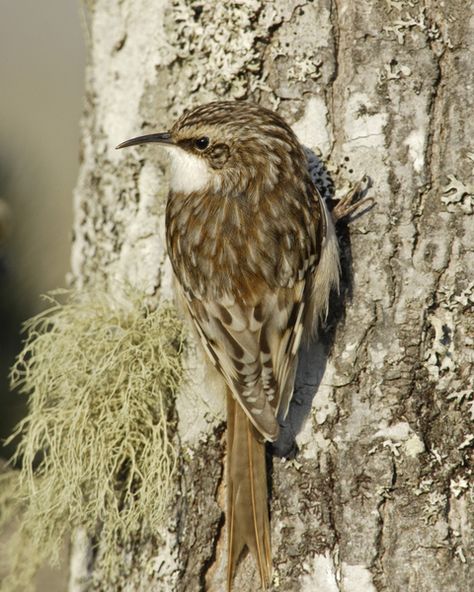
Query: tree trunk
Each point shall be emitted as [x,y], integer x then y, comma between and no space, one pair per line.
[380,496]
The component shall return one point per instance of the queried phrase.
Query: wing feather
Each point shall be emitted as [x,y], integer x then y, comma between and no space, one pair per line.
[251,319]
[254,347]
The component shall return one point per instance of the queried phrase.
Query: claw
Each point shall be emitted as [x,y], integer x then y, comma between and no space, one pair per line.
[351,202]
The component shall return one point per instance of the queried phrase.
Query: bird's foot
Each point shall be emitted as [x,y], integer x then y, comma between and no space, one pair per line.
[351,202]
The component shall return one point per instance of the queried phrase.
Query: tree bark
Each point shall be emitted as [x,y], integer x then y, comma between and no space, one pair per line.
[380,496]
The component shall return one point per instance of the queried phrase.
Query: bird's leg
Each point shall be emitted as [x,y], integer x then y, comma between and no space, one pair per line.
[351,202]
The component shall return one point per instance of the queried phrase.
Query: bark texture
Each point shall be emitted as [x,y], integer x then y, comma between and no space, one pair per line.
[380,496]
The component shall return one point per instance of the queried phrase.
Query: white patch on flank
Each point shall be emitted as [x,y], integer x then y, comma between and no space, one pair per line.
[327,272]
[188,172]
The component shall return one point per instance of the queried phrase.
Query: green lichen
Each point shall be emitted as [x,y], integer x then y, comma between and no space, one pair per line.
[97,447]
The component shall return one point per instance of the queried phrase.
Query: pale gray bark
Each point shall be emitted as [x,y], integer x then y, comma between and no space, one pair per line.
[380,496]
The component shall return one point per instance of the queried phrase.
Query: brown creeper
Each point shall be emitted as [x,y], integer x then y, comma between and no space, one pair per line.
[255,254]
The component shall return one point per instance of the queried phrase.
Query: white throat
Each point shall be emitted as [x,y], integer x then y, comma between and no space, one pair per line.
[188,172]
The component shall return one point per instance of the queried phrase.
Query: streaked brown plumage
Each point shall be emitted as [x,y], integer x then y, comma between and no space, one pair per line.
[255,255]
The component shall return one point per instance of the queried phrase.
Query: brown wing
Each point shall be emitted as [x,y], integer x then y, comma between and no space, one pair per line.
[254,348]
[248,290]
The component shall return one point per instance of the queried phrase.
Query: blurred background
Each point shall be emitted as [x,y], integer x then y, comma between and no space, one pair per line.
[42,53]
[41,78]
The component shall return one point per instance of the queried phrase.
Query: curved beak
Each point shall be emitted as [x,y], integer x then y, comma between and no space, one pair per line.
[163,138]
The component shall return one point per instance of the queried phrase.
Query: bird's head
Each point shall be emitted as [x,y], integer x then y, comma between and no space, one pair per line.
[229,146]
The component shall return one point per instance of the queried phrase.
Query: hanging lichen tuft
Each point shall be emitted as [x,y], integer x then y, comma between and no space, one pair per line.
[97,447]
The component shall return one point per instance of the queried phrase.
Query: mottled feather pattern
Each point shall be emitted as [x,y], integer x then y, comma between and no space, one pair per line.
[255,256]
[255,253]
[252,238]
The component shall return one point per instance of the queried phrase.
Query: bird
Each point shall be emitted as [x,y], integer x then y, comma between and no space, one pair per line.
[255,257]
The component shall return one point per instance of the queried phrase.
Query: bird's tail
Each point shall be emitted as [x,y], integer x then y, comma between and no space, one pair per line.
[247,496]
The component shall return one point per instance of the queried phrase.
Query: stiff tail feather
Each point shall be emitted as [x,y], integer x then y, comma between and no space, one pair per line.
[247,495]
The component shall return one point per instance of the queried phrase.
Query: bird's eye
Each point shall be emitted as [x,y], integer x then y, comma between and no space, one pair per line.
[202,143]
